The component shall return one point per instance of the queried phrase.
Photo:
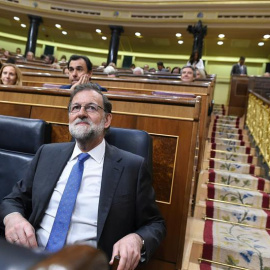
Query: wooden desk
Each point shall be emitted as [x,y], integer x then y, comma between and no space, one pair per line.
[38,79]
[173,125]
[28,68]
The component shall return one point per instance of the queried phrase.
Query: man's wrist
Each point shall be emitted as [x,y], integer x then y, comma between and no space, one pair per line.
[7,216]
[142,244]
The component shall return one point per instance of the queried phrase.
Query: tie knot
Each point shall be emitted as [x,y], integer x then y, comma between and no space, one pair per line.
[83,157]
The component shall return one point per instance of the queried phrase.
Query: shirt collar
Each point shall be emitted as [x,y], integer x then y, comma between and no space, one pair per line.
[96,153]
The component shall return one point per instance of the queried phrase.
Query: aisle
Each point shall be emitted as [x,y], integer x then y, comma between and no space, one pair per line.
[231,224]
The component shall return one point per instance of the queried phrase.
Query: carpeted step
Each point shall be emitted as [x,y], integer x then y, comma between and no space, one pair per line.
[220,121]
[232,156]
[235,245]
[232,136]
[256,199]
[219,125]
[238,214]
[245,181]
[228,130]
[231,166]
[229,142]
[231,148]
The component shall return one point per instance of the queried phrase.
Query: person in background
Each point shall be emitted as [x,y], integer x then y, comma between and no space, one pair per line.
[65,70]
[63,59]
[52,61]
[30,56]
[19,52]
[49,59]
[110,71]
[168,69]
[102,66]
[152,69]
[7,54]
[112,64]
[200,73]
[188,74]
[146,68]
[10,75]
[266,74]
[138,71]
[160,66]
[194,60]
[132,66]
[80,72]
[176,70]
[11,60]
[239,68]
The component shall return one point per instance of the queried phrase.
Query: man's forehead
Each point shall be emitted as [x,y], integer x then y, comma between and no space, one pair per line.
[187,70]
[77,63]
[87,93]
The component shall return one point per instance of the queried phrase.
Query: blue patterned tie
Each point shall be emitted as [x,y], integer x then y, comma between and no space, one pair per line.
[61,223]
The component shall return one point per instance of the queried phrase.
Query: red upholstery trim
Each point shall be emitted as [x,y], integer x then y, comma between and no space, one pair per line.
[261,183]
[251,169]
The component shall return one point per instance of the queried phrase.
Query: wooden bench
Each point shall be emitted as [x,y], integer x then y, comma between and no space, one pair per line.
[173,125]
[49,70]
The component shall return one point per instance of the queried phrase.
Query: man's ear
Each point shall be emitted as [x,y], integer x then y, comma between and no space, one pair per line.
[108,120]
[90,73]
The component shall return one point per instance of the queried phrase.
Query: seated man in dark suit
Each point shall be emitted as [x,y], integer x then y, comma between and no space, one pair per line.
[113,207]
[239,68]
[80,72]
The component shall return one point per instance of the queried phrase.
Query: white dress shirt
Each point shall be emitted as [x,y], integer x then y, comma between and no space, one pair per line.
[83,226]
[198,64]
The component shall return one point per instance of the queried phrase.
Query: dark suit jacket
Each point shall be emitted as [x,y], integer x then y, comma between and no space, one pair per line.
[126,202]
[236,70]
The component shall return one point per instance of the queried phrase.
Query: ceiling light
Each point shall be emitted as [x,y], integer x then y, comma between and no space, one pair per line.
[104,38]
[220,43]
[178,35]
[221,35]
[137,34]
[260,43]
[58,25]
[180,41]
[23,25]
[16,18]
[266,36]
[64,32]
[98,30]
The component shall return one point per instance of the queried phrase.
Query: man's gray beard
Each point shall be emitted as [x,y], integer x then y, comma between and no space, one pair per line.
[85,133]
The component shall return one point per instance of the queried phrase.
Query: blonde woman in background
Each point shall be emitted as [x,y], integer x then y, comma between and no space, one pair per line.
[10,75]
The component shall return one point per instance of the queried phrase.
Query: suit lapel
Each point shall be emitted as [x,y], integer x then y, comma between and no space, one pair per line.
[112,170]
[57,163]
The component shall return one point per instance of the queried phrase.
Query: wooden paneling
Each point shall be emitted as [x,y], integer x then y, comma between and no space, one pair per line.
[238,95]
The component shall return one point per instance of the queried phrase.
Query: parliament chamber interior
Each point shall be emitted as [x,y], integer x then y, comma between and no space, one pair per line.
[210,136]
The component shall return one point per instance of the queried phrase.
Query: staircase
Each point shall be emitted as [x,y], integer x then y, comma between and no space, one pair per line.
[231,224]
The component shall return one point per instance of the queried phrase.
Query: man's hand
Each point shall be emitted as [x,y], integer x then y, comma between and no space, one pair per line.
[129,250]
[19,231]
[83,79]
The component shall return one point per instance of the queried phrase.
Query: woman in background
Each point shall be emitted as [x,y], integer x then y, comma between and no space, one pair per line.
[176,70]
[194,61]
[10,75]
[200,73]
